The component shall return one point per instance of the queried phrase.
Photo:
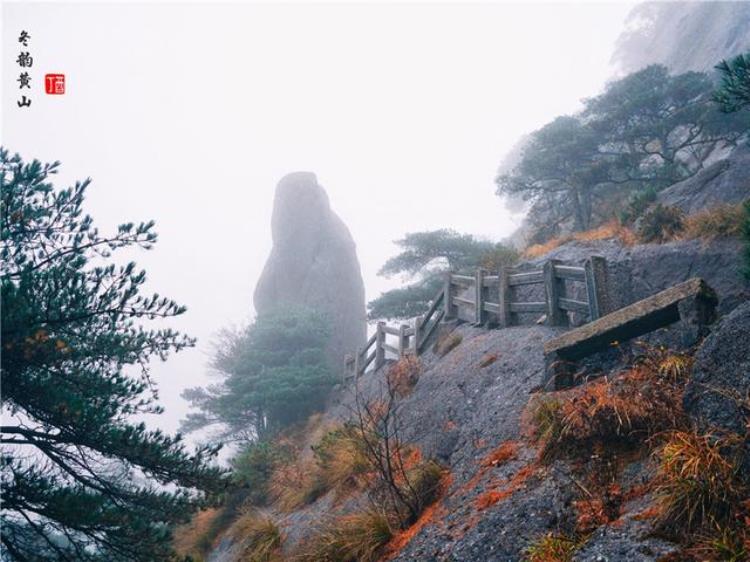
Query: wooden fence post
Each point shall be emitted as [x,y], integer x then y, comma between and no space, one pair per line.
[415,337]
[597,287]
[554,289]
[504,317]
[479,297]
[403,340]
[379,347]
[447,297]
[357,363]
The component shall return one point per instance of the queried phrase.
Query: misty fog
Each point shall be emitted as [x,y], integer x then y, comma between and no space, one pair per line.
[190,116]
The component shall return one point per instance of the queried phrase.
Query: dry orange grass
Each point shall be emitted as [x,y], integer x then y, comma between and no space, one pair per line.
[698,482]
[431,514]
[505,452]
[517,481]
[259,536]
[593,512]
[404,374]
[632,406]
[609,230]
[341,459]
[448,343]
[194,537]
[358,536]
[295,484]
[722,221]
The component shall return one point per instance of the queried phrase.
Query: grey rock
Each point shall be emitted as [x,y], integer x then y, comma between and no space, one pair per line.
[683,35]
[637,272]
[721,375]
[725,181]
[314,263]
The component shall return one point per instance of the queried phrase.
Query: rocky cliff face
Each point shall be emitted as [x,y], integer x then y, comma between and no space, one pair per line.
[472,402]
[725,181]
[683,35]
[313,263]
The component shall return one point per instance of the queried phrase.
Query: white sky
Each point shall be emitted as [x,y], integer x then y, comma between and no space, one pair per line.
[190,113]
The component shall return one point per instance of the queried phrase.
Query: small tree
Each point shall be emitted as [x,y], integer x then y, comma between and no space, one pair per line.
[81,481]
[425,256]
[274,373]
[649,129]
[734,92]
[661,127]
[562,158]
[404,483]
[405,302]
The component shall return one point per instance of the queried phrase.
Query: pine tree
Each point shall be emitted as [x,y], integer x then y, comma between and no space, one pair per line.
[734,91]
[81,480]
[425,256]
[274,373]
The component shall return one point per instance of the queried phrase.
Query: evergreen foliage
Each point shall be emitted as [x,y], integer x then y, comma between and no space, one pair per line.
[274,373]
[733,93]
[253,466]
[746,237]
[81,481]
[426,256]
[647,130]
[661,224]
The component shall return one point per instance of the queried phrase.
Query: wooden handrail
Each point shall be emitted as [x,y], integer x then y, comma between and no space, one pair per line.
[473,298]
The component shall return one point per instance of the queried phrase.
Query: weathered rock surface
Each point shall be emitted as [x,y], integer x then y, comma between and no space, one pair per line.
[725,181]
[472,400]
[637,272]
[721,376]
[314,263]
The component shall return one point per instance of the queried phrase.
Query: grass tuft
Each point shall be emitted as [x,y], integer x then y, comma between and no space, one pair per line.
[425,482]
[341,459]
[609,230]
[357,537]
[722,221]
[698,482]
[296,484]
[551,548]
[260,538]
[661,224]
[634,405]
[487,360]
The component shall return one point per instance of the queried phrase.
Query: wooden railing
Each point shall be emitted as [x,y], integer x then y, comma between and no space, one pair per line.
[493,300]
[485,298]
[409,339]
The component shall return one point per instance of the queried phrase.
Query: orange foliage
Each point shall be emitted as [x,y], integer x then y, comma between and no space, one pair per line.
[635,404]
[411,458]
[594,512]
[488,360]
[404,374]
[609,230]
[506,451]
[648,513]
[492,497]
[433,513]
[187,537]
